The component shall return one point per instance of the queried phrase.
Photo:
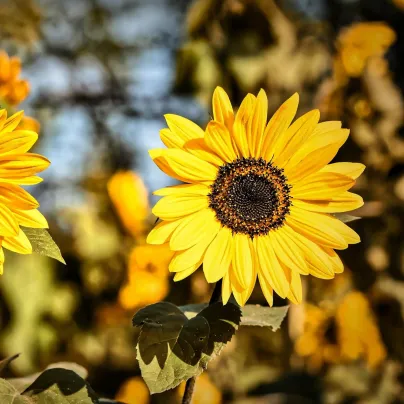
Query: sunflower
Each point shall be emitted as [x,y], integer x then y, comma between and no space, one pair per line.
[344,333]
[258,197]
[17,167]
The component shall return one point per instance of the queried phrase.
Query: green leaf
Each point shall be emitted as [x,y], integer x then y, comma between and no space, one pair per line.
[10,395]
[21,383]
[252,315]
[43,244]
[53,386]
[60,386]
[172,348]
[344,217]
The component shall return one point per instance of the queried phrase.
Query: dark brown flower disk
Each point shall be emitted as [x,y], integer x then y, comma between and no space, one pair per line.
[250,196]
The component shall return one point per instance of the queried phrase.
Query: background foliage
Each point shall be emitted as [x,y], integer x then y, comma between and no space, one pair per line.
[98,75]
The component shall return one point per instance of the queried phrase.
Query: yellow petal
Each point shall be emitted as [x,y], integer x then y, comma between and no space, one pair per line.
[218,139]
[318,227]
[294,137]
[242,260]
[343,202]
[321,186]
[19,141]
[183,165]
[226,288]
[16,197]
[19,243]
[295,294]
[222,108]
[256,124]
[338,266]
[317,261]
[243,295]
[353,170]
[325,127]
[179,276]
[187,258]
[218,256]
[11,123]
[161,233]
[14,166]
[183,189]
[199,149]
[183,128]
[1,260]
[8,223]
[31,218]
[193,229]
[314,161]
[278,124]
[287,251]
[266,289]
[171,139]
[174,207]
[337,138]
[240,124]
[270,268]
[3,117]
[33,180]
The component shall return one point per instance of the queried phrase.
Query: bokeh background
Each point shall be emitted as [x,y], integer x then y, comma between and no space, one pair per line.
[96,78]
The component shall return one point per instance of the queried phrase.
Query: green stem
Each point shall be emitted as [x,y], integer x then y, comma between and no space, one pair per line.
[190,385]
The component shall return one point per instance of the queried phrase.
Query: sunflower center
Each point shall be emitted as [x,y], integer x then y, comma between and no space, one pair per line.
[250,196]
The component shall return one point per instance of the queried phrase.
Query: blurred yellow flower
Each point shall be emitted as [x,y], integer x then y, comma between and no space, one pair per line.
[149,258]
[399,3]
[205,391]
[147,276]
[129,196]
[17,167]
[133,391]
[146,289]
[362,41]
[13,90]
[345,334]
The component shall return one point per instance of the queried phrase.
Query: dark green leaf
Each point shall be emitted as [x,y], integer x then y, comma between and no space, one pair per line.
[252,315]
[43,244]
[172,348]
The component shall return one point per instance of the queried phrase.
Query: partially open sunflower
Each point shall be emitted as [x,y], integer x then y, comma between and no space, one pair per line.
[257,197]
[17,167]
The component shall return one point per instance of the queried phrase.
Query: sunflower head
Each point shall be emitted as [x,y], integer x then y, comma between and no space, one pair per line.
[257,197]
[18,167]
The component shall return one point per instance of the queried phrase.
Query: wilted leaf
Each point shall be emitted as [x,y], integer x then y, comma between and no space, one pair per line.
[172,348]
[252,315]
[344,217]
[42,243]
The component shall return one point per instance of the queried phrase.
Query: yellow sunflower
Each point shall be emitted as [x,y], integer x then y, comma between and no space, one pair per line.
[257,198]
[17,167]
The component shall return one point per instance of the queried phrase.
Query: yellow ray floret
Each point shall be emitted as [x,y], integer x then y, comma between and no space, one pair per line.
[18,167]
[257,197]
